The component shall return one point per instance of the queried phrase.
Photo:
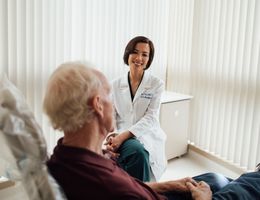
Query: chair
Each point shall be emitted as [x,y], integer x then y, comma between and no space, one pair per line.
[27,146]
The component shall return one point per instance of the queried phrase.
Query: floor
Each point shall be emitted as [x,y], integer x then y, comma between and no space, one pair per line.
[193,164]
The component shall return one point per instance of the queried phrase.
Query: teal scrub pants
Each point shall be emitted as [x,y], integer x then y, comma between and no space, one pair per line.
[134,159]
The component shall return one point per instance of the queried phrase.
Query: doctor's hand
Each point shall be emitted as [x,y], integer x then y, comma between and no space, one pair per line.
[111,143]
[110,154]
[116,141]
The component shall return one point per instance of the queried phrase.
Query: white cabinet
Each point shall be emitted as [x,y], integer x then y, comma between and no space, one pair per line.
[174,119]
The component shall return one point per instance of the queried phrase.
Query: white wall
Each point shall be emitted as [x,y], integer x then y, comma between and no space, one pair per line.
[213,55]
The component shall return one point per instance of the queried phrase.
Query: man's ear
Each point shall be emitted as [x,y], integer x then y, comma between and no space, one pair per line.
[97,105]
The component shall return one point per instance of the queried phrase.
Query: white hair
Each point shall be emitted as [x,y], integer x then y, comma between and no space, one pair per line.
[66,100]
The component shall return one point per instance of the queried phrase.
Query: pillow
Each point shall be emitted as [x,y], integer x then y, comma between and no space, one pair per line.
[27,145]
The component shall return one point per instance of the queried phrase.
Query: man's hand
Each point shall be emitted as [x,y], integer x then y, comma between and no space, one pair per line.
[200,191]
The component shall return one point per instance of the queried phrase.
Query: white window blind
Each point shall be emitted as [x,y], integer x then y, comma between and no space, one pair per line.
[216,59]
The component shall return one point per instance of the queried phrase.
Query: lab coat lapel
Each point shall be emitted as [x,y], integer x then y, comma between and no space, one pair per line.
[124,89]
[145,84]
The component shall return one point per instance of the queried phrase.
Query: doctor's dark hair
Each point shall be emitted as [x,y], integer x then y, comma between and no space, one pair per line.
[130,47]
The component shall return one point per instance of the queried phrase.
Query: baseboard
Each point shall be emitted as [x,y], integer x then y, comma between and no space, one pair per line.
[220,161]
[5,182]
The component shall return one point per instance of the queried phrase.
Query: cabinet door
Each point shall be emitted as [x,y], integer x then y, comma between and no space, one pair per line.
[174,118]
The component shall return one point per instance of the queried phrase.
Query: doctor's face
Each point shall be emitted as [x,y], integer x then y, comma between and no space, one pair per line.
[139,58]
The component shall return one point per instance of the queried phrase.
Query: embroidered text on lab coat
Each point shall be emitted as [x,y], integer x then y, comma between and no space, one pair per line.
[147,95]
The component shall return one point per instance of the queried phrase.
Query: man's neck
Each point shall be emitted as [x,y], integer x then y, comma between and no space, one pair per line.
[87,137]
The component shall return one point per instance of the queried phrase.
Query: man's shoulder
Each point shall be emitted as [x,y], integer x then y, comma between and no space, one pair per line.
[72,157]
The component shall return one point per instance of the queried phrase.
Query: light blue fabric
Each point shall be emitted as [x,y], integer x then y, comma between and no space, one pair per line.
[246,187]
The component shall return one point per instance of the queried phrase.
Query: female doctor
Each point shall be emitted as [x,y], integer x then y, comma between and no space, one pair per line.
[140,141]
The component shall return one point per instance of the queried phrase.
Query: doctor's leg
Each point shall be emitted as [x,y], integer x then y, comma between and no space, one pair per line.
[134,159]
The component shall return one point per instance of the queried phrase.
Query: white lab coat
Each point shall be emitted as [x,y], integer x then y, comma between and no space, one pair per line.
[141,117]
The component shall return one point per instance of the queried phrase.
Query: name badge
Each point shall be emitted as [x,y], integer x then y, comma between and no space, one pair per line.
[147,95]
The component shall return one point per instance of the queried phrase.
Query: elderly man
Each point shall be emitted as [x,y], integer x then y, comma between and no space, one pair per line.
[78,103]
